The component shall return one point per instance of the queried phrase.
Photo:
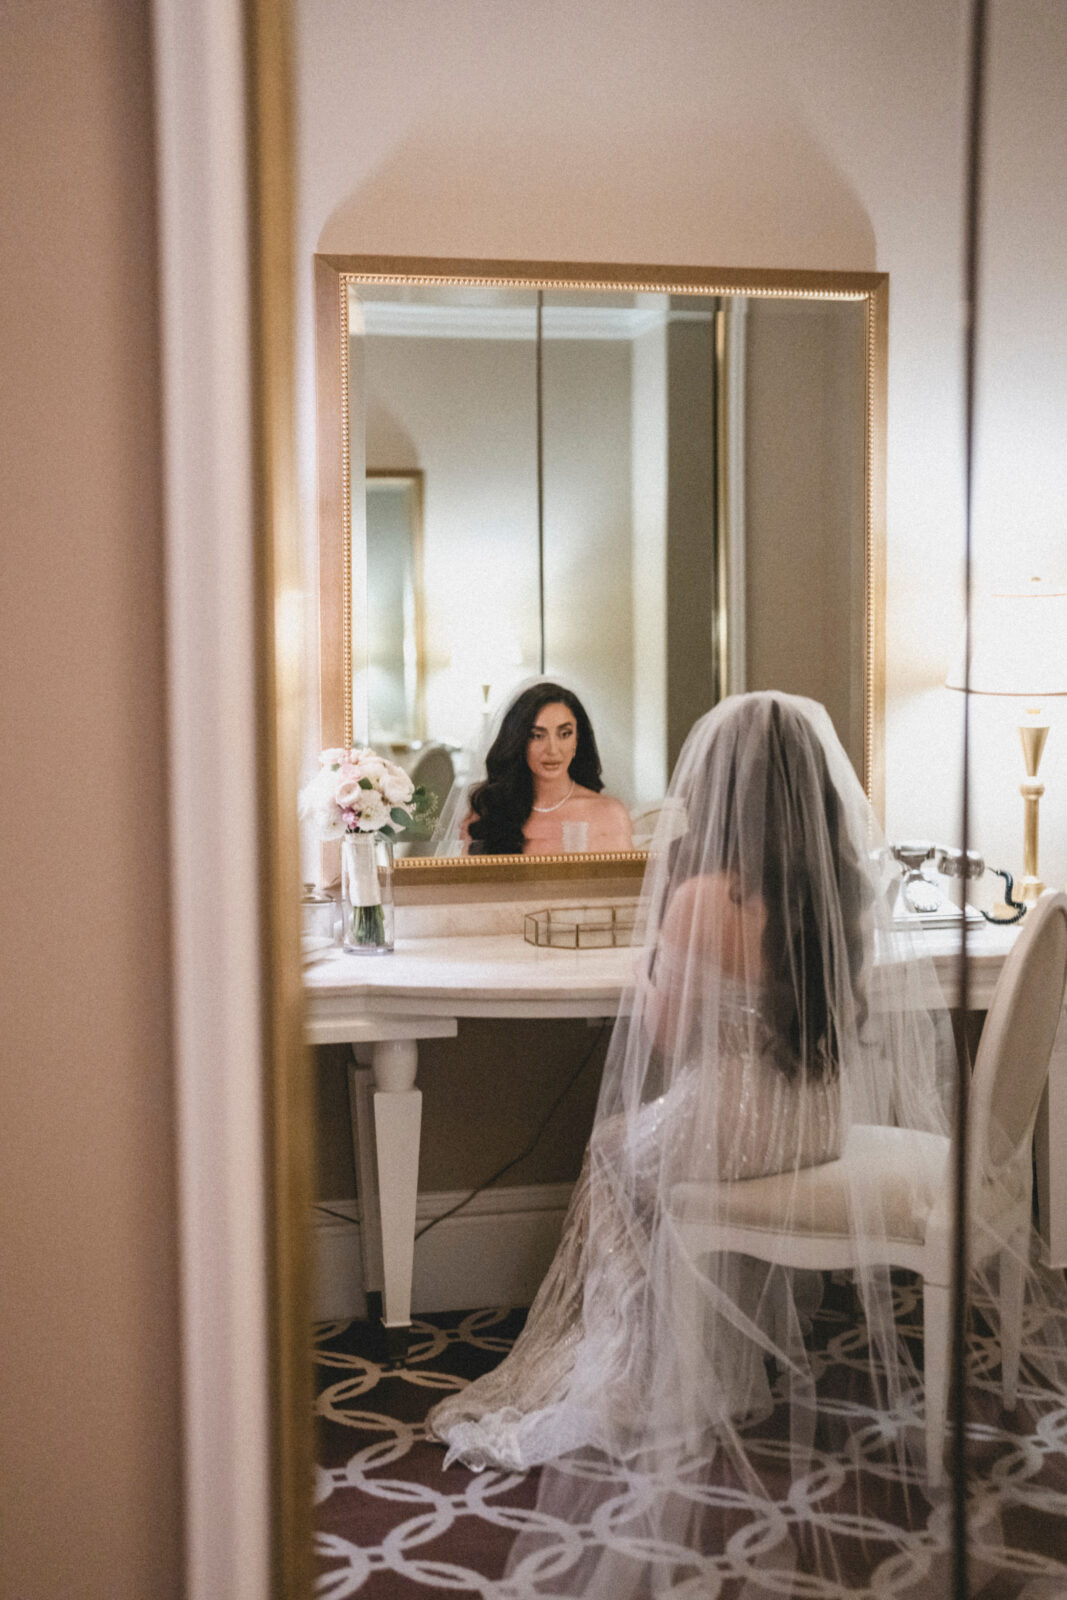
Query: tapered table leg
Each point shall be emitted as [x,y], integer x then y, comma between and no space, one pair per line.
[397,1127]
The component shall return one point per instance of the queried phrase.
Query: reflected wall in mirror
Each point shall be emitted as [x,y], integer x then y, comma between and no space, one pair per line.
[655,486]
[395,624]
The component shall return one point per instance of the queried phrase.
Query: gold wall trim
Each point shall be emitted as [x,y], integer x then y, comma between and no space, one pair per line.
[335,274]
[723,641]
[776,283]
[877,346]
[346,504]
[287,1079]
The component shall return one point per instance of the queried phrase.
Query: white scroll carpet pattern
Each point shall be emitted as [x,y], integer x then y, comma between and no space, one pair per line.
[393,1526]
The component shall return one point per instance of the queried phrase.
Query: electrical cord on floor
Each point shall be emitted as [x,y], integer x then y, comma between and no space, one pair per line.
[534,1142]
[328,1211]
[486,1183]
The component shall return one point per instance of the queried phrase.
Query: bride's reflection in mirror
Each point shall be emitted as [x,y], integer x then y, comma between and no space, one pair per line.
[702,459]
[539,789]
[704,450]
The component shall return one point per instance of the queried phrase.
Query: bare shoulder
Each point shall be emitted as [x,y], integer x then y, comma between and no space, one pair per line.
[613,808]
[605,804]
[679,913]
[691,903]
[612,826]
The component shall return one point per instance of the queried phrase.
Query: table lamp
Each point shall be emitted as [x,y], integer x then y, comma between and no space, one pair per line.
[1019,647]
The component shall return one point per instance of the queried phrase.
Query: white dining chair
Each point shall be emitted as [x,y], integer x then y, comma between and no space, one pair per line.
[813,1218]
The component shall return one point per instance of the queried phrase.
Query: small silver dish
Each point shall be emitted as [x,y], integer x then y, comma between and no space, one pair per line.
[580,927]
[318,913]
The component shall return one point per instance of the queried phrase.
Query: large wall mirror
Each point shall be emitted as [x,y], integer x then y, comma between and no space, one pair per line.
[656,486]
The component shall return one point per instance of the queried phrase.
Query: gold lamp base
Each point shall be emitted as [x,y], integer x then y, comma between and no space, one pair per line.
[1032,735]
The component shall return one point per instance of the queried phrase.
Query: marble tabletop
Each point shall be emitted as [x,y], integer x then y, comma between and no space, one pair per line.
[501,974]
[476,974]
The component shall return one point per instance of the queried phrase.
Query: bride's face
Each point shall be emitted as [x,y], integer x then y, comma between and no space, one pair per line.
[552,742]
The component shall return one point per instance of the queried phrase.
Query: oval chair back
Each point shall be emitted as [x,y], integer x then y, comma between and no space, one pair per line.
[1013,1056]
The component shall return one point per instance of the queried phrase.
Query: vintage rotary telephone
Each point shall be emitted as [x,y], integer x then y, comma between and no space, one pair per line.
[921,897]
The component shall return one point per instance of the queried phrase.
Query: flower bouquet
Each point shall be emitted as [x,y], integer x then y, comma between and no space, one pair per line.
[366,802]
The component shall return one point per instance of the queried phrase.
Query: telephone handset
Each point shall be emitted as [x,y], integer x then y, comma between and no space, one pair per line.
[924,898]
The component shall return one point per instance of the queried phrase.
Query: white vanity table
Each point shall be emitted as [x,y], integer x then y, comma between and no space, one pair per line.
[427,985]
[420,992]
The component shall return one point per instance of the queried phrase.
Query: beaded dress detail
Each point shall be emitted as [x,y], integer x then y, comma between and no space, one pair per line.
[522,1413]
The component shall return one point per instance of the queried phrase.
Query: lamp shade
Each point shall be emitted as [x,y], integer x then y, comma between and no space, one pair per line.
[1018,643]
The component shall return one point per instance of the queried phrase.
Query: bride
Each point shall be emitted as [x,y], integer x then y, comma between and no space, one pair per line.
[724,1453]
[537,788]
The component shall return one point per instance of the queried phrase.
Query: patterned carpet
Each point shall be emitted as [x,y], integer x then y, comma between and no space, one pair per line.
[393,1526]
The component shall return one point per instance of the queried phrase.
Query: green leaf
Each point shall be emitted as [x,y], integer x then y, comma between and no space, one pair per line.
[365,783]
[389,833]
[401,818]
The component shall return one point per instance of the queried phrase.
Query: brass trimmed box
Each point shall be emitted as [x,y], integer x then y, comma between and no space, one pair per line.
[596,927]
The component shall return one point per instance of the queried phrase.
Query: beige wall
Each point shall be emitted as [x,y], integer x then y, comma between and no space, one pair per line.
[781,133]
[648,495]
[428,399]
[588,575]
[1021,509]
[484,1094]
[804,486]
[89,1417]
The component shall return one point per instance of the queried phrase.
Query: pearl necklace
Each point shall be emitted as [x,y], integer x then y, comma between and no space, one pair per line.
[544,810]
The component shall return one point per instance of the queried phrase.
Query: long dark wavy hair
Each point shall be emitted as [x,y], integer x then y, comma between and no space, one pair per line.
[501,805]
[798,902]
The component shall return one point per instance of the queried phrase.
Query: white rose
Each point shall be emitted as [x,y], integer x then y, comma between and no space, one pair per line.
[349,793]
[397,787]
[333,758]
[373,812]
[317,805]
[317,793]
[372,767]
[328,822]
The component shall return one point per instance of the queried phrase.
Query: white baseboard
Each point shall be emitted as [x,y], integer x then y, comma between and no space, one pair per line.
[492,1253]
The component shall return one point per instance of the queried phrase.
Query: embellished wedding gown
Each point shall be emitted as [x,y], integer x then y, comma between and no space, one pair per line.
[530,1409]
[694,1443]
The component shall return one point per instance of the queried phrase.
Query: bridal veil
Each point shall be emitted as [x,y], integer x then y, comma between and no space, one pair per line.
[713,1426]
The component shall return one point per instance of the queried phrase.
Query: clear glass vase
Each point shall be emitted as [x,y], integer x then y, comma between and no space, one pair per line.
[367,893]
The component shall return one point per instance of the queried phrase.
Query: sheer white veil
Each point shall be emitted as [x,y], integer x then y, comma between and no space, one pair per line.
[703,1443]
